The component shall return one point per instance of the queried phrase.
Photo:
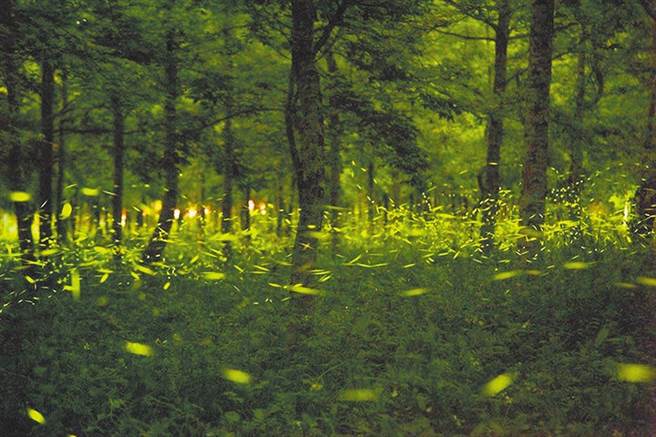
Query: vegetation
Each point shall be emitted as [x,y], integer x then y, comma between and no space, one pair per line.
[294,217]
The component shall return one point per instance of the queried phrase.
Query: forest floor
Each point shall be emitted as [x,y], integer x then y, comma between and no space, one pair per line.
[396,343]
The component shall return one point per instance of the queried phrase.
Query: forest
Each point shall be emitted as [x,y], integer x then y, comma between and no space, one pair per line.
[327,217]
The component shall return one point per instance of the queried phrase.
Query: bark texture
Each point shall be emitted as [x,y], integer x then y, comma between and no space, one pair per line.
[495,128]
[46,163]
[155,248]
[119,152]
[534,176]
[645,197]
[576,145]
[309,160]
[334,158]
[228,169]
[61,157]
[16,175]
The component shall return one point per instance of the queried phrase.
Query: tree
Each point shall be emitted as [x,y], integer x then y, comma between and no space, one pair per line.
[8,37]
[155,248]
[534,177]
[495,131]
[307,119]
[46,161]
[645,196]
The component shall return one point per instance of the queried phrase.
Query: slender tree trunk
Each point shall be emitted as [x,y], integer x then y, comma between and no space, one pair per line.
[141,219]
[201,207]
[576,146]
[61,157]
[291,206]
[280,202]
[75,203]
[245,210]
[157,244]
[16,164]
[396,189]
[371,195]
[575,179]
[534,177]
[309,165]
[334,139]
[119,151]
[46,151]
[495,128]
[228,170]
[645,197]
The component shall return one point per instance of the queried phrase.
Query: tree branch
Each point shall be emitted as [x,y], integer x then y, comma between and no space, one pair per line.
[335,20]
[476,16]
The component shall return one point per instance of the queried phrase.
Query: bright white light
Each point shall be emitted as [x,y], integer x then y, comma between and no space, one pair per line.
[251,205]
[176,213]
[192,213]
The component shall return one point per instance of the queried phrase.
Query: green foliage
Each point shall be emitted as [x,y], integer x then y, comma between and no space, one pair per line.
[410,325]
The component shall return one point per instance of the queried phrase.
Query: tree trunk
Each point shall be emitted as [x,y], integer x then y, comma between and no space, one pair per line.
[75,203]
[534,177]
[61,158]
[575,179]
[309,163]
[371,195]
[334,138]
[119,151]
[201,207]
[495,129]
[245,210]
[46,152]
[396,189]
[16,166]
[157,244]
[645,197]
[280,202]
[228,170]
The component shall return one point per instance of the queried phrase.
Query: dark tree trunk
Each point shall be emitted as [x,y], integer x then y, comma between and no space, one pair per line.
[534,177]
[140,218]
[157,244]
[245,210]
[396,189]
[228,170]
[309,161]
[645,197]
[46,152]
[16,164]
[75,203]
[334,159]
[371,195]
[291,206]
[119,152]
[61,157]
[201,207]
[576,177]
[495,129]
[576,146]
[280,202]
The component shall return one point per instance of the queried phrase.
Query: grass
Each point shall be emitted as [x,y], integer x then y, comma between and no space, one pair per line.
[403,340]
